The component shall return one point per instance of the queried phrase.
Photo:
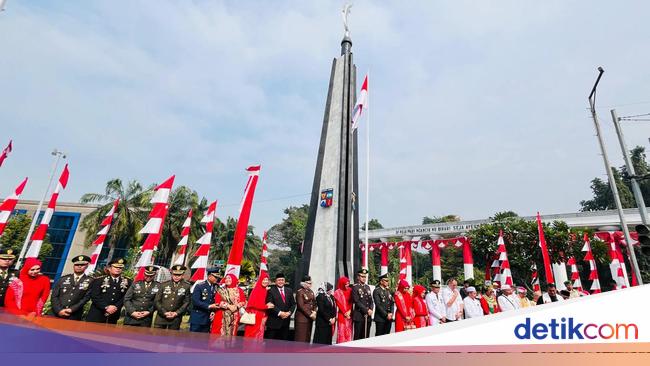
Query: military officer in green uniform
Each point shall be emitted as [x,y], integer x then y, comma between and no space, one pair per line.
[362,301]
[7,257]
[383,306]
[71,292]
[172,300]
[139,299]
[107,294]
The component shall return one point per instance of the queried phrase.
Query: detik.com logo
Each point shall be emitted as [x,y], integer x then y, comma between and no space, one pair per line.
[569,328]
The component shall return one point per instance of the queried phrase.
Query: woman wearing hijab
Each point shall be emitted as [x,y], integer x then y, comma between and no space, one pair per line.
[489,302]
[257,305]
[420,307]
[343,299]
[325,315]
[27,294]
[404,304]
[230,299]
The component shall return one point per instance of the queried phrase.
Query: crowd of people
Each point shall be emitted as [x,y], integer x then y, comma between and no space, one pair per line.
[219,306]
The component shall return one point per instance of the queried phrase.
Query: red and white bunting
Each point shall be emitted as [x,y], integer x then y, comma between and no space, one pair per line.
[101,236]
[384,248]
[361,105]
[203,252]
[41,231]
[5,152]
[506,274]
[9,204]
[153,227]
[405,262]
[535,278]
[264,268]
[182,244]
[237,249]
[617,264]
[468,259]
[593,270]
[575,275]
[544,248]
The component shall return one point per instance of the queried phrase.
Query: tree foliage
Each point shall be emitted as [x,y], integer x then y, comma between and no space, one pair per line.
[15,233]
[603,199]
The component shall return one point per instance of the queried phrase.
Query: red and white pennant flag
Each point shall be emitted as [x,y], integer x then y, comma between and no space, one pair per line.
[361,105]
[9,204]
[237,250]
[203,252]
[544,248]
[182,244]
[593,270]
[264,268]
[506,274]
[153,227]
[41,231]
[5,152]
[575,275]
[101,236]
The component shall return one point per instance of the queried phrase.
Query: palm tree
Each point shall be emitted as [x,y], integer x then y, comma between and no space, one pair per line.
[130,216]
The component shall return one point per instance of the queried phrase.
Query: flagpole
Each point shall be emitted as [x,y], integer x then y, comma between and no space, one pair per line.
[23,250]
[367,172]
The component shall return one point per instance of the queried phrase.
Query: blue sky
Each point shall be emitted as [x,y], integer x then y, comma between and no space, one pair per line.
[476,107]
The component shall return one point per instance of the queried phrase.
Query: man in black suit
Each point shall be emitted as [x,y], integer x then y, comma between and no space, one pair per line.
[363,303]
[383,306]
[279,317]
[72,292]
[107,294]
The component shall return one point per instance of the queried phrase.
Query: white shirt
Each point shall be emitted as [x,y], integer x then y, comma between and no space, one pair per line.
[547,298]
[473,308]
[436,307]
[508,302]
[455,307]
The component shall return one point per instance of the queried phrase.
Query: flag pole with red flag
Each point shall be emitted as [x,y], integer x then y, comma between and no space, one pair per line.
[9,204]
[542,244]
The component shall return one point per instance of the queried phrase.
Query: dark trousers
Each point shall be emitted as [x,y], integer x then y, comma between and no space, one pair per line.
[362,328]
[200,328]
[382,328]
[281,333]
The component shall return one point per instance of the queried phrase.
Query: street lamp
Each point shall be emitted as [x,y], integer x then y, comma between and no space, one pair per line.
[610,177]
[58,156]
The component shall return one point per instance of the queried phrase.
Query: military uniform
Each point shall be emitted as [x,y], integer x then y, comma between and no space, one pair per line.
[72,292]
[105,291]
[306,305]
[140,297]
[174,297]
[362,300]
[202,297]
[6,275]
[383,306]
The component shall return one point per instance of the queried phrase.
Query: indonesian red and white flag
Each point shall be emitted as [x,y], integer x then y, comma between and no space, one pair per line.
[237,249]
[575,275]
[264,267]
[593,270]
[182,244]
[535,278]
[101,236]
[6,150]
[9,204]
[468,258]
[203,252]
[544,248]
[405,262]
[41,231]
[153,227]
[506,274]
[361,105]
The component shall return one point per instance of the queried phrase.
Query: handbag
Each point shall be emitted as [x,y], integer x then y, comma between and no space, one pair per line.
[247,318]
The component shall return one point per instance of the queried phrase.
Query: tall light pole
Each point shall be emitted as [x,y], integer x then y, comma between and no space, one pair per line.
[610,177]
[58,155]
[638,196]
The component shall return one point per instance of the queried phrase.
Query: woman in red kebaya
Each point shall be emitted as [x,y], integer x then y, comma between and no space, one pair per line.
[420,307]
[257,305]
[27,294]
[343,298]
[404,304]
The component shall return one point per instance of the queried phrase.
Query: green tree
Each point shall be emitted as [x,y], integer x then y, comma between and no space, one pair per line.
[288,237]
[130,216]
[15,233]
[439,219]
